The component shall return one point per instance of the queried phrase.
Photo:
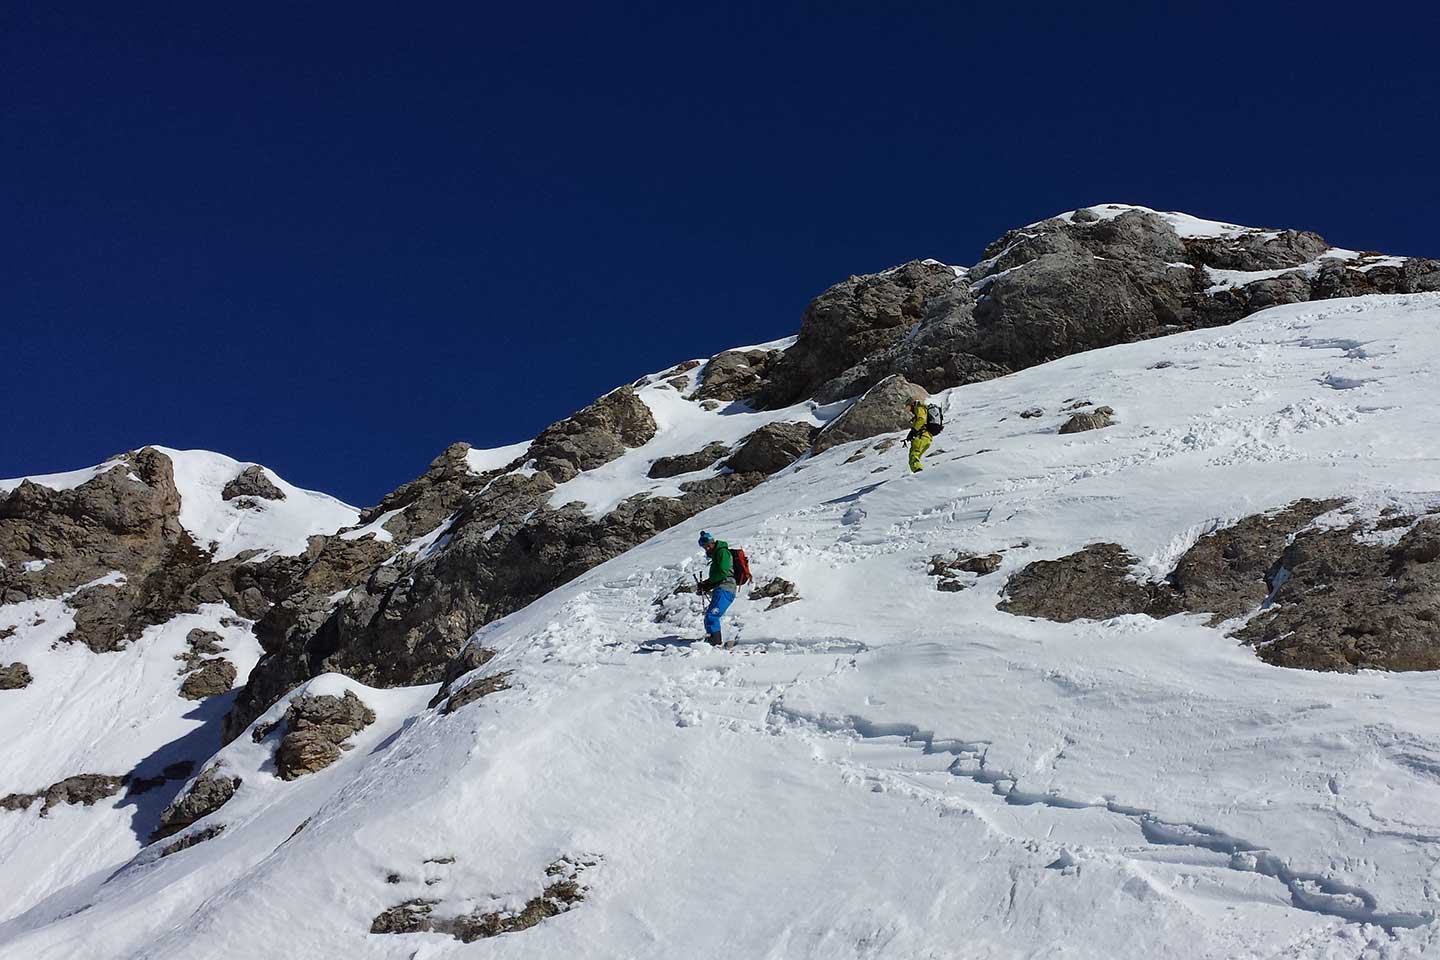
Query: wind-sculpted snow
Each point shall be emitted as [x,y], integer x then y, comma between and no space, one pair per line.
[881,768]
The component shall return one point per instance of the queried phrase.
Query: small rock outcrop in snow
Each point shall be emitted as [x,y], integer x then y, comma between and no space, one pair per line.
[736,374]
[209,678]
[252,482]
[210,791]
[684,463]
[561,893]
[316,730]
[84,788]
[1095,419]
[14,676]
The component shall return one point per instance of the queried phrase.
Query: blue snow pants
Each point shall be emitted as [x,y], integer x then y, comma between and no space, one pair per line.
[720,601]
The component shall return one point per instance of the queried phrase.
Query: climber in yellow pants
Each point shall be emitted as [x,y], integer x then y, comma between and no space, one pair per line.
[919,435]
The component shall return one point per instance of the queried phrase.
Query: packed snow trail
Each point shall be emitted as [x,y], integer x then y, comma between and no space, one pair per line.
[905,773]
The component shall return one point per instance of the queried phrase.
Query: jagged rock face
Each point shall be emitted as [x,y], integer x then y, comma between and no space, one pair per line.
[1268,250]
[426,501]
[252,482]
[881,410]
[688,462]
[210,678]
[850,322]
[736,374]
[1342,604]
[594,436]
[210,791]
[772,448]
[125,520]
[1225,572]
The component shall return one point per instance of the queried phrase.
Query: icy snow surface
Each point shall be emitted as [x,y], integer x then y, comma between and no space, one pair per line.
[883,770]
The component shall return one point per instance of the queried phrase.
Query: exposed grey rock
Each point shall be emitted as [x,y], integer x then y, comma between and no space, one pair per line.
[778,591]
[562,892]
[1095,583]
[191,839]
[1269,250]
[594,436]
[475,690]
[1094,420]
[1340,604]
[210,791]
[15,676]
[850,322]
[471,657]
[1031,413]
[252,482]
[772,448]
[210,678]
[881,410]
[688,462]
[735,374]
[429,499]
[1225,572]
[84,788]
[317,727]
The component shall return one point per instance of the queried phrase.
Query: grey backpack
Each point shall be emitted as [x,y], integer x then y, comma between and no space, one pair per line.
[934,418]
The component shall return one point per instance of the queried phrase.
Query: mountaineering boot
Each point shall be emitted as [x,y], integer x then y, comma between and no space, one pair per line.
[713,639]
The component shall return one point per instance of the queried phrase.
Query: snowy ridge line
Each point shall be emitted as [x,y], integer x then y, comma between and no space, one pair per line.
[1312,892]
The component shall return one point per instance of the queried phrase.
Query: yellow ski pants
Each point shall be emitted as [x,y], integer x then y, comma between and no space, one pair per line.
[918,446]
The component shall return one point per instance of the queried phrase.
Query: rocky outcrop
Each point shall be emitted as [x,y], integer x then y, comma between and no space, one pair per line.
[1095,419]
[475,690]
[881,410]
[1341,603]
[778,591]
[736,374]
[316,730]
[772,448]
[665,467]
[1095,583]
[210,678]
[210,791]
[562,891]
[253,483]
[961,570]
[1332,597]
[84,788]
[15,676]
[850,322]
[421,505]
[594,436]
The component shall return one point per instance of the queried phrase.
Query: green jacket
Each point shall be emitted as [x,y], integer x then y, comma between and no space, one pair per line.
[722,569]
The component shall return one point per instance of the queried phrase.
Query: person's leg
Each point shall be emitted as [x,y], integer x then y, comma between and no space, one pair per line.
[918,446]
[720,601]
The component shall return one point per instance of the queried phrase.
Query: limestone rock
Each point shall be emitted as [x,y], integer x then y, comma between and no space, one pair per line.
[15,676]
[1095,583]
[772,448]
[1094,420]
[880,410]
[594,436]
[317,727]
[210,791]
[210,678]
[687,462]
[735,374]
[475,690]
[252,482]
[851,321]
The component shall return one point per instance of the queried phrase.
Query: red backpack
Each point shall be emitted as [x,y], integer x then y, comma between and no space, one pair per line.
[742,566]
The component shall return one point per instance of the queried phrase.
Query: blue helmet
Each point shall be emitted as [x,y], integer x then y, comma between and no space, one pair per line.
[706,538]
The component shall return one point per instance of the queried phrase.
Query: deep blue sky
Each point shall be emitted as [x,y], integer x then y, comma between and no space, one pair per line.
[335,238]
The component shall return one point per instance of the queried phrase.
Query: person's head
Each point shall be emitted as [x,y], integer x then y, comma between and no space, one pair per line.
[707,541]
[911,404]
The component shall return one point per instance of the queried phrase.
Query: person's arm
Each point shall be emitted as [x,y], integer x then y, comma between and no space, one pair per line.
[722,567]
[922,417]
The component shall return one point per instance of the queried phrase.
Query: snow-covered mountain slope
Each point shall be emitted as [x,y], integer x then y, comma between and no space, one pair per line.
[881,768]
[98,743]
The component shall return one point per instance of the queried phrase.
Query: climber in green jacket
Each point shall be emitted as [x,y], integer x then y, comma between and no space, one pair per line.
[720,584]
